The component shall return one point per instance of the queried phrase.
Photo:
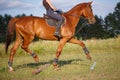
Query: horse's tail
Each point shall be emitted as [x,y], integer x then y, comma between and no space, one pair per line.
[10,32]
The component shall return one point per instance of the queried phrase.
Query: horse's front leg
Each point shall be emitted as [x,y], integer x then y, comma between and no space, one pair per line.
[75,41]
[58,52]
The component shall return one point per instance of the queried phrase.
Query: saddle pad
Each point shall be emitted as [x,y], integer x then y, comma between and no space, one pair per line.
[51,21]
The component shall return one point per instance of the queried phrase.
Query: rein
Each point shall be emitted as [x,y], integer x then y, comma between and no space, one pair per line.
[73,15]
[84,23]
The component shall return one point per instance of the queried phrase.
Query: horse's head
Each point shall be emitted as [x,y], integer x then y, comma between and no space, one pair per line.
[88,14]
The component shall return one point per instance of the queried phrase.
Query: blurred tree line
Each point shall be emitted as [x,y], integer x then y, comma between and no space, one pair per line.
[4,20]
[102,29]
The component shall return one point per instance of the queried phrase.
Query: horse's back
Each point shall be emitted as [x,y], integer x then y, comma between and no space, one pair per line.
[27,19]
[31,26]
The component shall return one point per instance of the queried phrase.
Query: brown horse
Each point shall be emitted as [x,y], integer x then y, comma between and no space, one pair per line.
[27,28]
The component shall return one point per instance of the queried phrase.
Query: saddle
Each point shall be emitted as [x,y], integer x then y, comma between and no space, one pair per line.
[52,21]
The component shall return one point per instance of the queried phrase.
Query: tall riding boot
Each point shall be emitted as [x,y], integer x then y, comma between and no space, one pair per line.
[57,32]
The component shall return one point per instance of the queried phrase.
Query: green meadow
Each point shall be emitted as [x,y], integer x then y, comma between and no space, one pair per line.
[72,62]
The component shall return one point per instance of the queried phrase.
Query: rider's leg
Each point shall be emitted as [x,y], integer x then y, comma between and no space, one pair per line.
[57,32]
[59,18]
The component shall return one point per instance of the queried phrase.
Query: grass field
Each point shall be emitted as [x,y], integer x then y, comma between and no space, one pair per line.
[73,62]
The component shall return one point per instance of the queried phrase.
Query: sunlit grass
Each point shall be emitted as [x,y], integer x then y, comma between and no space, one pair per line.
[72,62]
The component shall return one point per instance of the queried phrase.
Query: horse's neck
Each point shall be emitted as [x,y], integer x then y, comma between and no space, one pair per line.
[77,10]
[74,16]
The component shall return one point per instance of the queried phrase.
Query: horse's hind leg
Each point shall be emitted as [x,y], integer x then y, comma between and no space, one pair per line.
[13,51]
[75,41]
[26,42]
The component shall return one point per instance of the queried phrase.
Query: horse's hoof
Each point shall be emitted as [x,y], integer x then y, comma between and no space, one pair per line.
[10,69]
[89,57]
[36,59]
[56,69]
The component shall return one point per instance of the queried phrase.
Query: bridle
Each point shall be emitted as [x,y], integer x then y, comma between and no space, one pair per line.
[73,15]
[77,16]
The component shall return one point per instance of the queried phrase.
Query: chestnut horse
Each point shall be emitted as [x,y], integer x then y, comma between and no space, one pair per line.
[28,27]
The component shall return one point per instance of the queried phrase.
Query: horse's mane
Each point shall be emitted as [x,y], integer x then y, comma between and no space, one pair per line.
[78,6]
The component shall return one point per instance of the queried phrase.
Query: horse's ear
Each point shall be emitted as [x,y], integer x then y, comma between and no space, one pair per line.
[90,2]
